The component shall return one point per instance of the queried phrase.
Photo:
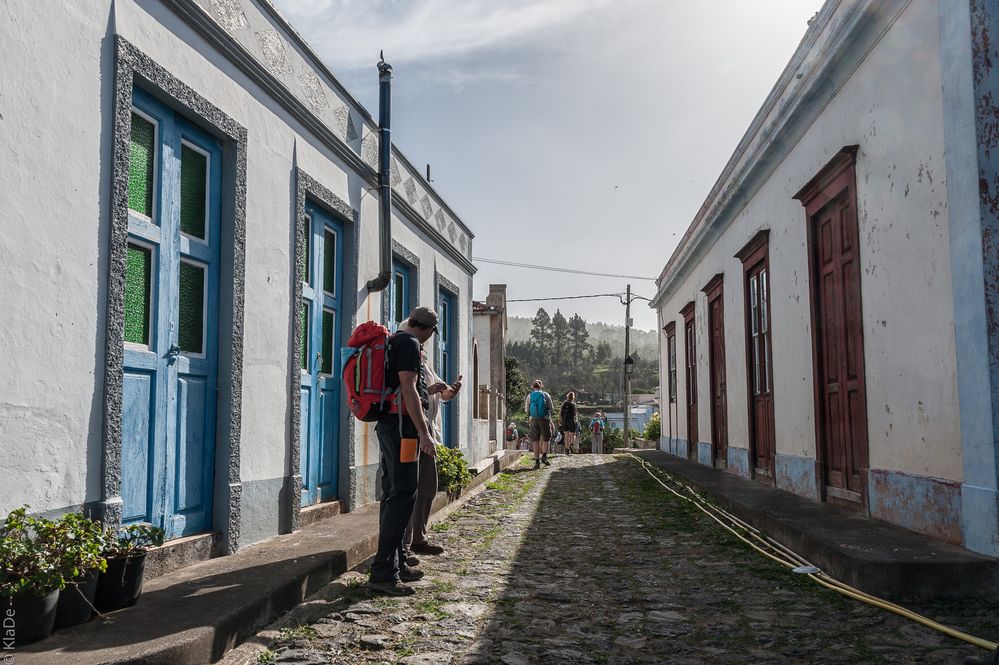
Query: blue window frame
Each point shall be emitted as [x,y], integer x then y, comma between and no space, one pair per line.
[447,331]
[170,359]
[400,294]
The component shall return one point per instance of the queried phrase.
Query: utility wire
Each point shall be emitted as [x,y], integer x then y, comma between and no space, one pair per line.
[595,295]
[515,264]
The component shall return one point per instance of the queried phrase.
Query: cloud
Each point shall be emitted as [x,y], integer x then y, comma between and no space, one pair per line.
[348,32]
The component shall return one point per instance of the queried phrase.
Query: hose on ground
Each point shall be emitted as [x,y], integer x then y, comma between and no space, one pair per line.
[786,557]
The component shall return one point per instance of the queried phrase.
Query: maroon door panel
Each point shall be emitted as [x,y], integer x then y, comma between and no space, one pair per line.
[841,413]
[755,257]
[690,377]
[716,367]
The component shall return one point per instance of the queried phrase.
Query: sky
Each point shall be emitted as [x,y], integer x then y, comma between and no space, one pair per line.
[581,134]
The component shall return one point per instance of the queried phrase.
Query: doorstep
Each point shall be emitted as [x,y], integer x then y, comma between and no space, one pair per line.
[194,615]
[874,556]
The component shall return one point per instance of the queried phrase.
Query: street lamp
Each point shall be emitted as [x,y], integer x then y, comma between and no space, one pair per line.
[629,368]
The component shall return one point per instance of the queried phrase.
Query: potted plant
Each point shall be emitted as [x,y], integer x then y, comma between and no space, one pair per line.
[32,575]
[125,550]
[82,545]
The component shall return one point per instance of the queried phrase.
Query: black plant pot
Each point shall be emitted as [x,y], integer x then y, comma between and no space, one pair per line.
[33,616]
[121,584]
[76,601]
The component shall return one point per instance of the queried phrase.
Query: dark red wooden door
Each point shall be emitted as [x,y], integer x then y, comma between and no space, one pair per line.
[839,347]
[716,360]
[760,378]
[690,375]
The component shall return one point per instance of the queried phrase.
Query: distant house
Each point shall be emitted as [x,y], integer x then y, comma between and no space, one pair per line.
[488,383]
[636,422]
[830,315]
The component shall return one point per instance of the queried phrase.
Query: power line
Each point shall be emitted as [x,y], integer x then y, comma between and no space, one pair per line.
[595,295]
[515,264]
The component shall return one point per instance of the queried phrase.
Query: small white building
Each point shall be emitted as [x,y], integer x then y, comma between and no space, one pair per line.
[830,315]
[190,219]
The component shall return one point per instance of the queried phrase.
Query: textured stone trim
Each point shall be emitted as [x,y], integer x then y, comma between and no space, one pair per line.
[427,226]
[130,64]
[308,188]
[442,282]
[414,261]
[229,46]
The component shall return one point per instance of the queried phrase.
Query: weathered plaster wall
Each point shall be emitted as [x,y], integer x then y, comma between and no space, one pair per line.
[53,250]
[906,284]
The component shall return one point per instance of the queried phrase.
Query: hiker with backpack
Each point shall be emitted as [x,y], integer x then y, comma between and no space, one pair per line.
[384,381]
[539,407]
[568,422]
[597,433]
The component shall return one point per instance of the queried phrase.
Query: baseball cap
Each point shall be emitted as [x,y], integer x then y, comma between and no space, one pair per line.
[424,316]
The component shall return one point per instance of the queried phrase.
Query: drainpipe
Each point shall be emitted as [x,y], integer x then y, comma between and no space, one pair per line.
[384,179]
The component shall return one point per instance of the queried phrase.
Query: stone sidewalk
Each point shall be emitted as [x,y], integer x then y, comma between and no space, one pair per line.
[591,562]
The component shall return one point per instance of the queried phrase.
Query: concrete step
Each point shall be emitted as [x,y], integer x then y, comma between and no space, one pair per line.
[876,557]
[194,615]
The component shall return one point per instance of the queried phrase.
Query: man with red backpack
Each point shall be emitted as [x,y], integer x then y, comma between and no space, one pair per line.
[597,433]
[406,419]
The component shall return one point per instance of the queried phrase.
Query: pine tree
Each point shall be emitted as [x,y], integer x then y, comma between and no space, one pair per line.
[579,339]
[541,337]
[560,342]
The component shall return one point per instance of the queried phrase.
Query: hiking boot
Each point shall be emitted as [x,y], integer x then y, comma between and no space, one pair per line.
[537,464]
[409,559]
[428,548]
[407,574]
[391,588]
[544,460]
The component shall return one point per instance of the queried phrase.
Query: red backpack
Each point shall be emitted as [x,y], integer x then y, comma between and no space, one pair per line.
[364,372]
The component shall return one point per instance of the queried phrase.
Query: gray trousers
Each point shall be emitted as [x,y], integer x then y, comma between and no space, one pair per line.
[426,490]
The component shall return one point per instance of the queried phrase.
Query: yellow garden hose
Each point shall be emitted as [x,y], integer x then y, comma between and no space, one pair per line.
[779,553]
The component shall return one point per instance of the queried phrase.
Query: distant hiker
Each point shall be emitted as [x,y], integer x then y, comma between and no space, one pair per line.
[415,540]
[406,422]
[597,434]
[512,433]
[539,407]
[567,421]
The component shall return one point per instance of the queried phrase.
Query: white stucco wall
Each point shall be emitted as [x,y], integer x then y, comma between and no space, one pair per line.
[56,129]
[905,285]
[52,251]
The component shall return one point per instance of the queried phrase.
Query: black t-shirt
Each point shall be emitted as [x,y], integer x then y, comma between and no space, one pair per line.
[404,356]
[568,414]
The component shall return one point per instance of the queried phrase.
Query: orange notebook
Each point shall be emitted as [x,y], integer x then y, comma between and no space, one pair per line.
[410,450]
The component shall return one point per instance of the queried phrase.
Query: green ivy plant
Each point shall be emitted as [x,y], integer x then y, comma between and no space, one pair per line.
[452,470]
[26,557]
[132,540]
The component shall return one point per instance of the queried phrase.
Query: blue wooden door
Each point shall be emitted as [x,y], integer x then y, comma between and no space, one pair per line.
[171,313]
[446,345]
[399,295]
[322,292]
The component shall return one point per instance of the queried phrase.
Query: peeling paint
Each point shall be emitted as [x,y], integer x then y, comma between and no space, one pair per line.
[929,506]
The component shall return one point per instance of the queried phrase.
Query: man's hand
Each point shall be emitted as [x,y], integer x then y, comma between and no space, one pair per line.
[456,386]
[427,446]
[438,387]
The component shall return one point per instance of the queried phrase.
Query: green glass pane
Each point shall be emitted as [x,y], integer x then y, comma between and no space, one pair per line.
[140,165]
[329,318]
[305,335]
[137,276]
[329,262]
[191,316]
[193,190]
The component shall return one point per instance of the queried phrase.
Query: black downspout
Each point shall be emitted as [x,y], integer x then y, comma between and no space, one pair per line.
[384,179]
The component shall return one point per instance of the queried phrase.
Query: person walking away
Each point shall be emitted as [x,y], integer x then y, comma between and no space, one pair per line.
[407,386]
[567,421]
[415,540]
[597,434]
[539,407]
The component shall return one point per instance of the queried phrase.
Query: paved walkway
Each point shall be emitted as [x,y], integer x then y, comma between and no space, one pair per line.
[591,562]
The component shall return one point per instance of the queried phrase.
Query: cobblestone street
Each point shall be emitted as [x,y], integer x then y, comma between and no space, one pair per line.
[591,562]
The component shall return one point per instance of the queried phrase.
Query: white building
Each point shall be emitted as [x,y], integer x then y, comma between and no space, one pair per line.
[190,218]
[829,316]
